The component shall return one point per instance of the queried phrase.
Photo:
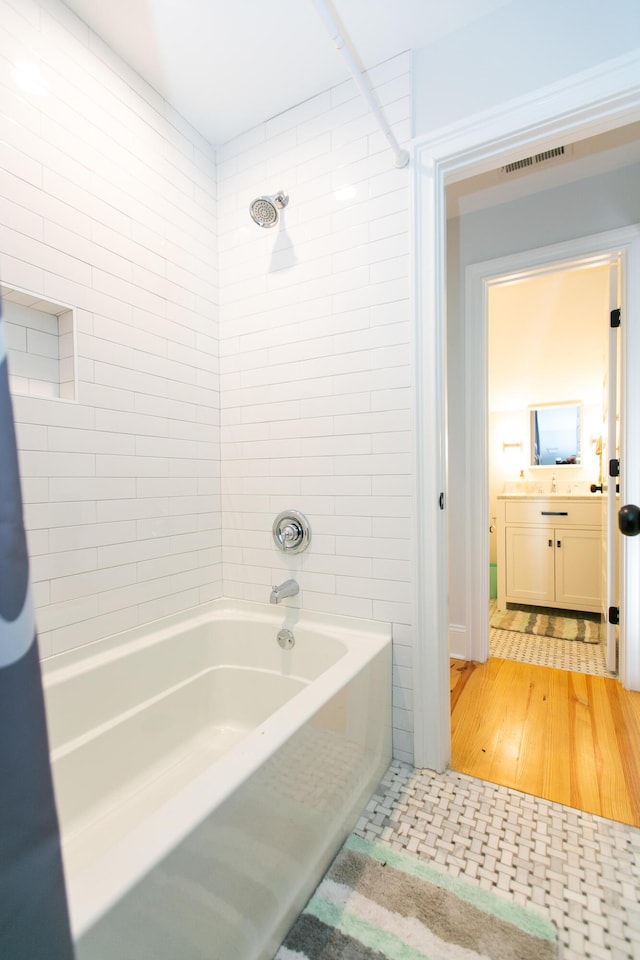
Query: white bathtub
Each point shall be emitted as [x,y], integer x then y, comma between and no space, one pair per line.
[205,777]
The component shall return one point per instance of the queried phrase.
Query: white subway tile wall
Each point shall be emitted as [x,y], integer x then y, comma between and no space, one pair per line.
[111,203]
[316,362]
[108,204]
[33,338]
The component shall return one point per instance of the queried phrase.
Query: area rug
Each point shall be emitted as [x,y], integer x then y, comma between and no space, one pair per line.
[544,622]
[378,904]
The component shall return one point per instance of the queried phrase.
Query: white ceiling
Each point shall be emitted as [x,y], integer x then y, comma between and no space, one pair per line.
[227,66]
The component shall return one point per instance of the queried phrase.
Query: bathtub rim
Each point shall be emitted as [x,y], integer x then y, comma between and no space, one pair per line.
[67,663]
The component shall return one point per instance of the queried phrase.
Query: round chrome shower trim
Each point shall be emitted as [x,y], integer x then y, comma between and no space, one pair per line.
[264,210]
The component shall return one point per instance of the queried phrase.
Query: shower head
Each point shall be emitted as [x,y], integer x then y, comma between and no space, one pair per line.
[264,210]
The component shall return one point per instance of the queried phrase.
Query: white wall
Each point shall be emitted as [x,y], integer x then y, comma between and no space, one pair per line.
[515,50]
[547,344]
[315,362]
[111,208]
[108,205]
[548,338]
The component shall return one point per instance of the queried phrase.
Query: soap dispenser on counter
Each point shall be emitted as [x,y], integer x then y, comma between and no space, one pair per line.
[521,483]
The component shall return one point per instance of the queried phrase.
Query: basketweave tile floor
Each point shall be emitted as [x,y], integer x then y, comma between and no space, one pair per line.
[581,870]
[547,651]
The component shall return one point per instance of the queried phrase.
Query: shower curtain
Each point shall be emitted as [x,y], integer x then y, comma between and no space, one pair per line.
[34,921]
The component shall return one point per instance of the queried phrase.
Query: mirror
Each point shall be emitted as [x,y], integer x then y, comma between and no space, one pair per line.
[556,435]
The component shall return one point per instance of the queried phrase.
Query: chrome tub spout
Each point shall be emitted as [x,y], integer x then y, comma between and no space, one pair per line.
[287,589]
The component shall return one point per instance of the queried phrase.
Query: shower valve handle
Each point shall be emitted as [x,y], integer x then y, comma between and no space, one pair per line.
[291,531]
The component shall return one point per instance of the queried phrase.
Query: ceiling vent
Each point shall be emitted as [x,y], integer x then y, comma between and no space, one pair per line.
[530,163]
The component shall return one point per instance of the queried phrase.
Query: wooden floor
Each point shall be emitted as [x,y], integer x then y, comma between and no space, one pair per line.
[563,736]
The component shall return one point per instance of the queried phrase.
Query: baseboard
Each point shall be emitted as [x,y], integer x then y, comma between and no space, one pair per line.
[458,642]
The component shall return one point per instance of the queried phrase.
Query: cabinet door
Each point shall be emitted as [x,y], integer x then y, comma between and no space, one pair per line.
[578,569]
[530,564]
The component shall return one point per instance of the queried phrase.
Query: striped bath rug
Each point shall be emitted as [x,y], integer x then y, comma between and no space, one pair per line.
[545,622]
[378,904]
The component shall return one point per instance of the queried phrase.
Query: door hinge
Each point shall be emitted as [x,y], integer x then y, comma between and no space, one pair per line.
[614,468]
[614,615]
[441,501]
[615,318]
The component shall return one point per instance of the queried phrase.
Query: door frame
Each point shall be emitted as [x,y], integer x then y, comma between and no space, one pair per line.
[582,105]
[613,246]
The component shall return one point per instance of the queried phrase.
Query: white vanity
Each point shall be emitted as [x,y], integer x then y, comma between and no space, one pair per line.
[550,551]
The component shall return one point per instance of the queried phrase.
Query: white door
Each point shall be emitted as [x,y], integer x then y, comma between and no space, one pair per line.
[610,452]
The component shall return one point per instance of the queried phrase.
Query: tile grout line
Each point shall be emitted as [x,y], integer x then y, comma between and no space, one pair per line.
[581,870]
[571,655]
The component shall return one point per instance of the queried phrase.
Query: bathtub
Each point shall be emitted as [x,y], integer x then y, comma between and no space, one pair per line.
[205,777]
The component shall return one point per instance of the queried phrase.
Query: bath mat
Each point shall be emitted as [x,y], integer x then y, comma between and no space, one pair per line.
[378,904]
[544,622]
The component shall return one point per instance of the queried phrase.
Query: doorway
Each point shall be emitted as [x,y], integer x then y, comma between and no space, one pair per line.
[548,341]
[611,99]
[538,287]
[593,255]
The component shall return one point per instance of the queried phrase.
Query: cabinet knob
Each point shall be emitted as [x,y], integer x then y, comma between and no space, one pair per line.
[550,543]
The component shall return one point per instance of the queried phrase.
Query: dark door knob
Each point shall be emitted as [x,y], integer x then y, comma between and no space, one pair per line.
[629,520]
[596,488]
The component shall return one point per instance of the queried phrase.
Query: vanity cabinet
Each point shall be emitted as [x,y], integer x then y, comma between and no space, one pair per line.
[549,552]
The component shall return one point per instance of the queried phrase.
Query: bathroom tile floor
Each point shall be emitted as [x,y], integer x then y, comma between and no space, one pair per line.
[582,871]
[548,652]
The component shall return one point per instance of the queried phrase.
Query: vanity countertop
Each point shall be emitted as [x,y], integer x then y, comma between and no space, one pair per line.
[550,496]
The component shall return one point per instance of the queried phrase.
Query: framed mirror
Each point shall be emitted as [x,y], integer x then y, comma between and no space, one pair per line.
[556,434]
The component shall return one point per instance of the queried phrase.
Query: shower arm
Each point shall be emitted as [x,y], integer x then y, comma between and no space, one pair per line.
[400,156]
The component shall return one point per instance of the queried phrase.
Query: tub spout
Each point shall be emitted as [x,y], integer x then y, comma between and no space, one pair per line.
[287,589]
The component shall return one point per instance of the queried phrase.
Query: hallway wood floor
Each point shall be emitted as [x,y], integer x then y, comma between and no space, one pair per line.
[566,737]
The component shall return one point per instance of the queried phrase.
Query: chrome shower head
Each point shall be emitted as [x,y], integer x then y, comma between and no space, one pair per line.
[264,210]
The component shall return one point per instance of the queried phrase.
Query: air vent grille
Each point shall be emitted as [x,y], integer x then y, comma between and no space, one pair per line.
[549,154]
[518,165]
[529,162]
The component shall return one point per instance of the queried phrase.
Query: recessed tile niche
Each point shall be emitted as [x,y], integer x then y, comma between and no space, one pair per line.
[40,345]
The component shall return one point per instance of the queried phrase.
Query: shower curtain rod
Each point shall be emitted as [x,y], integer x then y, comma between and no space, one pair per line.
[400,156]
